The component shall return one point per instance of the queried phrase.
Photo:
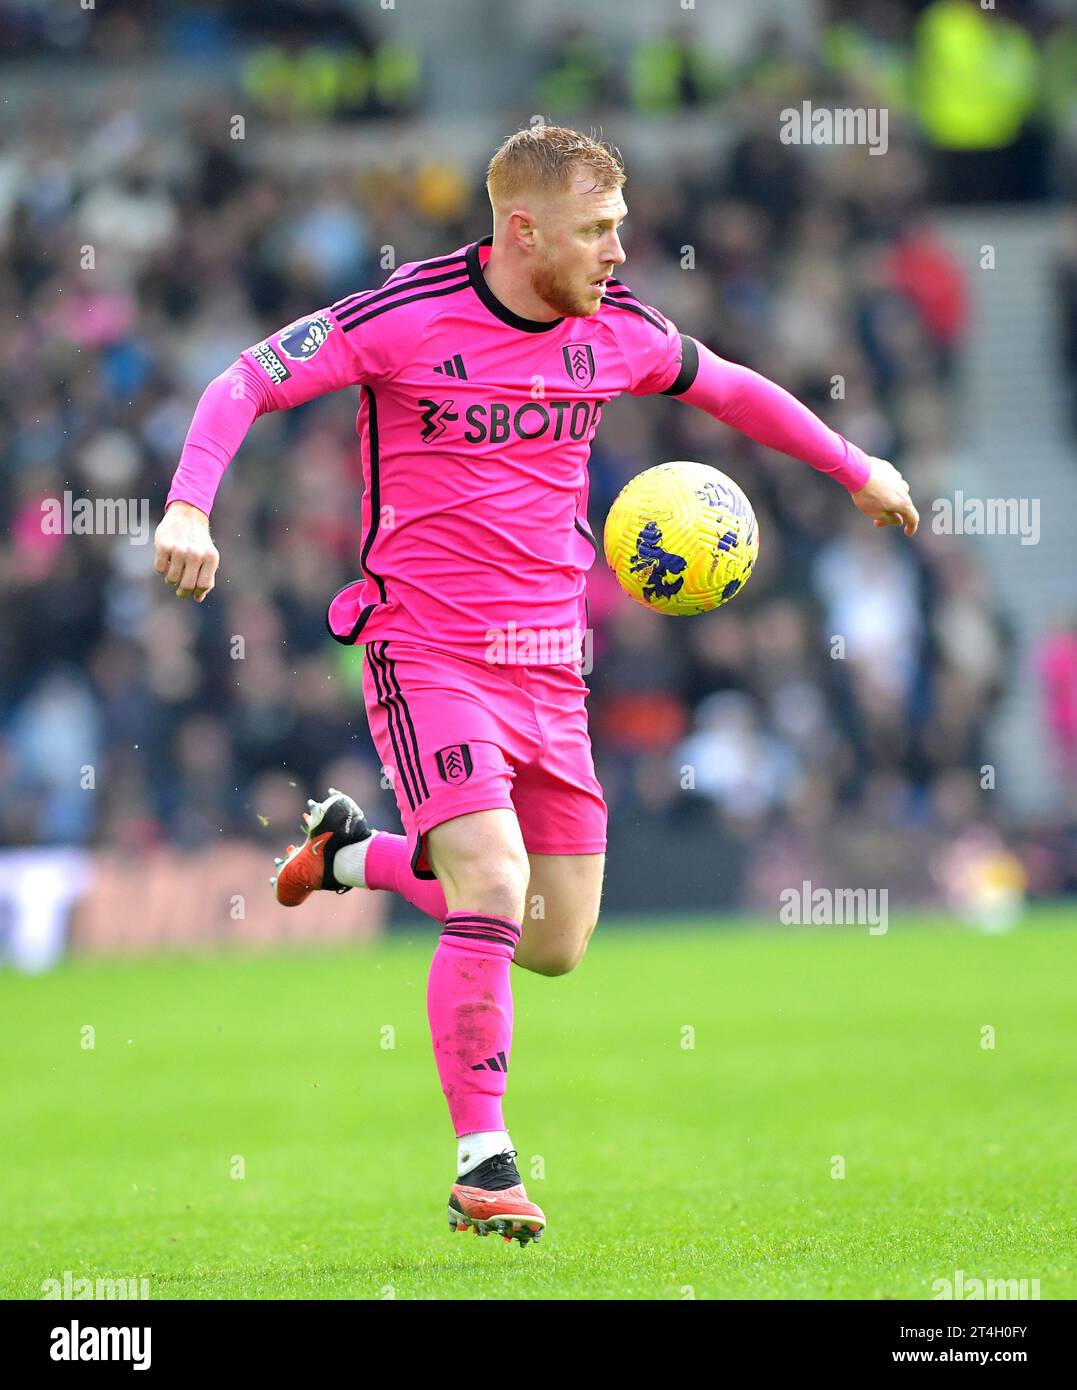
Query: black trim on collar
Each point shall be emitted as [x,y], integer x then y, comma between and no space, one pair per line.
[486,294]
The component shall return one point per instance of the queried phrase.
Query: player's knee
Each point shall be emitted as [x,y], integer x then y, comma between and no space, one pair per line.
[561,957]
[493,884]
[552,966]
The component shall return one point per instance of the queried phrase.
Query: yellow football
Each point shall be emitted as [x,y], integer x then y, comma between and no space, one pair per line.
[681,538]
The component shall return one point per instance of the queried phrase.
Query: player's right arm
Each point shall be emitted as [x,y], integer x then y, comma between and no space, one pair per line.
[309,358]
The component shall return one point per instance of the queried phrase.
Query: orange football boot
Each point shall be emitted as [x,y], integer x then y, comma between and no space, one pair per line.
[330,824]
[492,1198]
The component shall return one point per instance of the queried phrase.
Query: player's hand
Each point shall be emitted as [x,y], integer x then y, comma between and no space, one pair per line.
[184,552]
[885,498]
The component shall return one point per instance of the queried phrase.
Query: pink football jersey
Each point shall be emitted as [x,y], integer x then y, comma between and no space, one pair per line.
[475,428]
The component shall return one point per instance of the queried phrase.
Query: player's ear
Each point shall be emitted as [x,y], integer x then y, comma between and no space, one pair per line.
[522,227]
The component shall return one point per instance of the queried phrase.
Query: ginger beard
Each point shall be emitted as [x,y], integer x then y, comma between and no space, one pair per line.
[561,286]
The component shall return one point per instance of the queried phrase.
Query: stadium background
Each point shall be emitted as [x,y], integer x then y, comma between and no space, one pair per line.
[362,134]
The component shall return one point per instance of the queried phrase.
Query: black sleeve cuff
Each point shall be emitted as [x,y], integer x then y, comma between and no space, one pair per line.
[689,367]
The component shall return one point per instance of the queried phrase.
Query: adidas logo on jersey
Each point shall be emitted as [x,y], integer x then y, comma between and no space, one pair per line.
[453,366]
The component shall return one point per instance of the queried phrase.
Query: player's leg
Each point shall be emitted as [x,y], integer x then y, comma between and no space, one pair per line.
[482,865]
[560,803]
[481,862]
[355,855]
[341,851]
[451,731]
[563,898]
[383,863]
[561,902]
[562,815]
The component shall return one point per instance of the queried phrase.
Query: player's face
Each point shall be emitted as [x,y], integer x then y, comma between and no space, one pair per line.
[578,247]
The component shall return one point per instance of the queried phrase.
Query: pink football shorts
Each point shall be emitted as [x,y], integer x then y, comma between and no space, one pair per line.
[462,736]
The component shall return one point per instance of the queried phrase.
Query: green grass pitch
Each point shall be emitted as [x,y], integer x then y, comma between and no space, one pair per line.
[670,1171]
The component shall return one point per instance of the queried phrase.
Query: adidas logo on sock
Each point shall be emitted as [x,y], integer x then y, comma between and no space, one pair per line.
[498,1063]
[453,366]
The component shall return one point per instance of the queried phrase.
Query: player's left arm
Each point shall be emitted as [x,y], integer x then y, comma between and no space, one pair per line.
[767,413]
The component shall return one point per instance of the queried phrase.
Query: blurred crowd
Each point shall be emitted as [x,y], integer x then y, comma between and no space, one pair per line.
[983,84]
[833,716]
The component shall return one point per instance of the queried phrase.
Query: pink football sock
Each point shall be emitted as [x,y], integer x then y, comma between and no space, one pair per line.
[469,1004]
[388,866]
